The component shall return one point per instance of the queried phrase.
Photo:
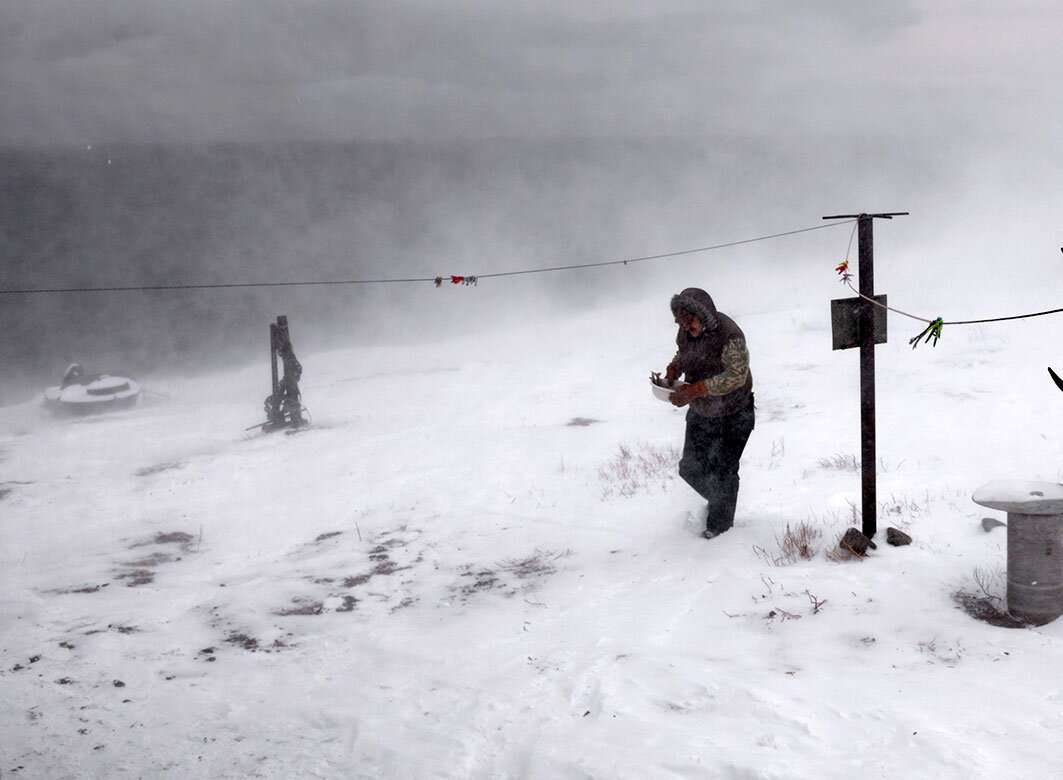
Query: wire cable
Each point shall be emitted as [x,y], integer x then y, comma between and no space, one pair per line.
[434,279]
[933,329]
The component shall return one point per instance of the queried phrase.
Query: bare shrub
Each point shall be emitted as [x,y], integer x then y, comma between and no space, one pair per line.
[642,468]
[778,452]
[816,602]
[901,509]
[990,582]
[539,564]
[796,542]
[839,462]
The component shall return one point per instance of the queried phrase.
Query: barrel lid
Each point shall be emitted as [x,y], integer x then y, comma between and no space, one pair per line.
[1021,497]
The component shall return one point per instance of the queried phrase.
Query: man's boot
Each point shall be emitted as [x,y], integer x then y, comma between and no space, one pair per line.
[722,497]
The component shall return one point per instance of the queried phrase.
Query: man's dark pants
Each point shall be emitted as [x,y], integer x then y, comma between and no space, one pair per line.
[709,464]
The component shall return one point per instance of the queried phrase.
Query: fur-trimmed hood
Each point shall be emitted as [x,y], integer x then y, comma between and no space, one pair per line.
[699,303]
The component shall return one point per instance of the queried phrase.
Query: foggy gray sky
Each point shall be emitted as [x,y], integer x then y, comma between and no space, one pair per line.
[84,71]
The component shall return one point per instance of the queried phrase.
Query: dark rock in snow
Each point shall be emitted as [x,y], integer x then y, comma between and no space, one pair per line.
[854,541]
[897,537]
[989,523]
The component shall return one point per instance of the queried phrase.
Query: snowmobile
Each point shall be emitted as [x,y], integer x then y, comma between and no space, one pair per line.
[82,393]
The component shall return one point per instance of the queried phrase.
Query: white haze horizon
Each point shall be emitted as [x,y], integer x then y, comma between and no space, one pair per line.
[114,72]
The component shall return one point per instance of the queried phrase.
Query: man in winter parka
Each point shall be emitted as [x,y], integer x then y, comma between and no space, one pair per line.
[714,360]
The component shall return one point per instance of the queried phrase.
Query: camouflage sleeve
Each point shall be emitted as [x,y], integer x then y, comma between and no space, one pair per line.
[735,369]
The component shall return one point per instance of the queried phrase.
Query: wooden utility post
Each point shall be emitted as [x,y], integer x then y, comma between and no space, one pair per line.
[870,330]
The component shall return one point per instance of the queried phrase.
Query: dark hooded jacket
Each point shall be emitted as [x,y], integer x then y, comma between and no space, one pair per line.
[718,356]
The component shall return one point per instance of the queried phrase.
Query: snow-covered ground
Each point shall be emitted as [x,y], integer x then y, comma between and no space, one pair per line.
[457,573]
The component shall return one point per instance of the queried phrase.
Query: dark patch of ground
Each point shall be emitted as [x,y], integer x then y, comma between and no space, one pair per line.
[155,559]
[242,640]
[119,629]
[479,579]
[251,644]
[173,537]
[137,577]
[302,607]
[147,471]
[5,488]
[581,422]
[510,576]
[85,589]
[540,564]
[383,565]
[139,571]
[986,610]
[387,556]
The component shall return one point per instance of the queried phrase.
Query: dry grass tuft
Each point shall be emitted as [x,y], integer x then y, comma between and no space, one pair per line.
[840,462]
[644,468]
[799,541]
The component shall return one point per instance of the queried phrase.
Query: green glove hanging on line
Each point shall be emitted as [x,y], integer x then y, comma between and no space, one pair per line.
[931,331]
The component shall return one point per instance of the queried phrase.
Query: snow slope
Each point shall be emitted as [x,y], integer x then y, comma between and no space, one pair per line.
[456,573]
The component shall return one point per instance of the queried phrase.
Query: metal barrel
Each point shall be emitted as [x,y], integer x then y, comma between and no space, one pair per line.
[1035,567]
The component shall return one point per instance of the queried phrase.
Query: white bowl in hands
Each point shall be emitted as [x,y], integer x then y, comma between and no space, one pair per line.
[662,391]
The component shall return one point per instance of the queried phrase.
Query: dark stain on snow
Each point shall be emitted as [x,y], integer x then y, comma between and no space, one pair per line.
[155,559]
[384,545]
[139,571]
[137,577]
[5,491]
[581,422]
[147,471]
[984,609]
[482,579]
[83,589]
[242,640]
[119,629]
[173,537]
[302,607]
[409,601]
[249,643]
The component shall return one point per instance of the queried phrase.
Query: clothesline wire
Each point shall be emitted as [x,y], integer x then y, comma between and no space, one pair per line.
[953,322]
[935,325]
[231,285]
[653,257]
